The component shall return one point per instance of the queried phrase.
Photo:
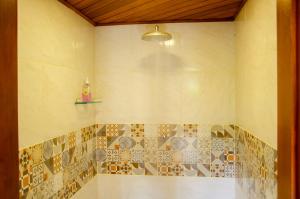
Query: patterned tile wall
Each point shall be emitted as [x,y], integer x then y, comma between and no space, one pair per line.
[166,150]
[256,167]
[59,167]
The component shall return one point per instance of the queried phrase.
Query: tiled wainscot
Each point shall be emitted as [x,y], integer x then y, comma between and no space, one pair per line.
[59,167]
[166,150]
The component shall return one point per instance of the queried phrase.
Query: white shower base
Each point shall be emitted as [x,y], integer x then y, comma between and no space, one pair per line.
[158,187]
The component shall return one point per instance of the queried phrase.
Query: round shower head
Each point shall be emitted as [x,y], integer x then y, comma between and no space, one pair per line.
[156,35]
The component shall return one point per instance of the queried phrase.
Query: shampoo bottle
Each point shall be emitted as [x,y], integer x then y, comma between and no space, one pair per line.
[86,91]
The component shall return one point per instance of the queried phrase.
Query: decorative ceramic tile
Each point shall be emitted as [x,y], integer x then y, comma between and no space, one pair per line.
[229,157]
[65,159]
[25,181]
[151,169]
[255,166]
[190,170]
[126,142]
[190,157]
[229,131]
[53,168]
[112,130]
[177,169]
[112,155]
[150,156]
[48,149]
[164,143]
[151,130]
[190,130]
[164,156]
[72,139]
[137,156]
[151,143]
[137,130]
[178,156]
[125,155]
[25,159]
[204,170]
[113,143]
[124,168]
[192,143]
[229,144]
[138,168]
[37,154]
[217,170]
[167,130]
[165,169]
[217,131]
[57,163]
[101,142]
[218,145]
[178,143]
[61,166]
[229,171]
[204,150]
[102,167]
[101,130]
[37,174]
[204,131]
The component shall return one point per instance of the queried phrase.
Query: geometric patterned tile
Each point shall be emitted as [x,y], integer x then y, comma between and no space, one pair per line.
[137,130]
[37,154]
[124,168]
[190,170]
[177,169]
[217,170]
[204,170]
[137,156]
[164,156]
[151,169]
[190,130]
[167,130]
[138,168]
[57,167]
[165,169]
[37,174]
[217,131]
[190,157]
[229,171]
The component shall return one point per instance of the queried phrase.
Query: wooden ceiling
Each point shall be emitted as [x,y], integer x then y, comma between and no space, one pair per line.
[113,12]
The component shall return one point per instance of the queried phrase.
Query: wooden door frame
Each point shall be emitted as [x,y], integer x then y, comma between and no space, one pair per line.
[288,30]
[9,169]
[288,99]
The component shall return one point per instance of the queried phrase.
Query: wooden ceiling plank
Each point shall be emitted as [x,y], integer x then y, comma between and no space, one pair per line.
[111,12]
[159,10]
[214,11]
[73,2]
[85,4]
[134,13]
[114,5]
[219,14]
[94,7]
[198,9]
[206,10]
[167,21]
[123,9]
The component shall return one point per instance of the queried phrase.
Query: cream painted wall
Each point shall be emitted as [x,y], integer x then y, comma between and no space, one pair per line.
[256,55]
[191,79]
[56,53]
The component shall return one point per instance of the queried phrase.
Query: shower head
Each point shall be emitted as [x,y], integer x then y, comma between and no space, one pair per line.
[156,35]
